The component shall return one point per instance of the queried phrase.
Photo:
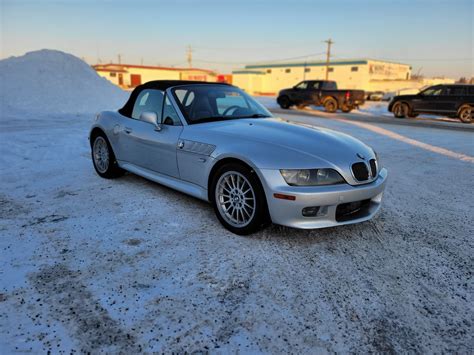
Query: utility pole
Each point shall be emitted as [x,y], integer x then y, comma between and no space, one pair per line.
[189,55]
[328,56]
[119,56]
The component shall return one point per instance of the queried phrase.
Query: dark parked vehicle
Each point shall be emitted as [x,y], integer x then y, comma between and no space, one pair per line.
[455,100]
[321,93]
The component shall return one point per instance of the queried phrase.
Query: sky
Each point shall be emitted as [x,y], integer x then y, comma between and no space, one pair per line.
[435,37]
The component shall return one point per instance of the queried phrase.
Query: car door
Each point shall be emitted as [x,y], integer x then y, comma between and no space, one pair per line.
[316,92]
[427,100]
[146,146]
[449,99]
[300,93]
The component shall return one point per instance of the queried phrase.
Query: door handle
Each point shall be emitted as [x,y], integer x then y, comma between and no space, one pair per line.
[128,130]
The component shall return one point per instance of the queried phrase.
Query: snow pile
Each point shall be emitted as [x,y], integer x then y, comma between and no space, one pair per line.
[54,82]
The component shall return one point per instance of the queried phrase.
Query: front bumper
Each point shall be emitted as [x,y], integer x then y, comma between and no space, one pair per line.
[327,198]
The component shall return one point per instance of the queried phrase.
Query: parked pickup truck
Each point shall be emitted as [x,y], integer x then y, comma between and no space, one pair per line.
[321,93]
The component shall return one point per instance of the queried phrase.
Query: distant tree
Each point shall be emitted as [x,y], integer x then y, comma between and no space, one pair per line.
[471,81]
[462,80]
[417,76]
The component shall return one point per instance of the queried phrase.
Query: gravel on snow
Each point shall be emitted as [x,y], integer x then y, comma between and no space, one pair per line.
[127,265]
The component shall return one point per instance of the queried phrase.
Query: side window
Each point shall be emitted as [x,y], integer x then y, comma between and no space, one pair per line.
[316,85]
[185,97]
[148,101]
[170,116]
[302,86]
[432,91]
[455,91]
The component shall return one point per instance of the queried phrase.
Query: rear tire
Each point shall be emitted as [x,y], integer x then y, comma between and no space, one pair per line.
[103,158]
[238,199]
[346,108]
[400,110]
[330,105]
[284,102]
[465,114]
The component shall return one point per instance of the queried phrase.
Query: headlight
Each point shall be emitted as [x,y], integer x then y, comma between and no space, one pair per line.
[312,177]
[379,164]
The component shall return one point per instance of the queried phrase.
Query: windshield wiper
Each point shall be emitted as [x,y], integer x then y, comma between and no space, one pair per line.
[259,115]
[211,119]
[255,115]
[224,118]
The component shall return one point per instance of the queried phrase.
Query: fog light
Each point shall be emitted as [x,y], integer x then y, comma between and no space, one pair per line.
[310,211]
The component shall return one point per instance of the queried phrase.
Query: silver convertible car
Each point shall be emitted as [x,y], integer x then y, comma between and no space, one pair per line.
[214,142]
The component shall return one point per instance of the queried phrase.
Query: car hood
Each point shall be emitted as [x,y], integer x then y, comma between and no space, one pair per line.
[278,144]
[285,91]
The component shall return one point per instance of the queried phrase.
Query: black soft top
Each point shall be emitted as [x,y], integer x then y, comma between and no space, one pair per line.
[127,109]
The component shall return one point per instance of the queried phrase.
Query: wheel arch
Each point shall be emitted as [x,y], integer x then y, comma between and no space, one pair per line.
[229,160]
[329,97]
[401,102]
[461,106]
[94,133]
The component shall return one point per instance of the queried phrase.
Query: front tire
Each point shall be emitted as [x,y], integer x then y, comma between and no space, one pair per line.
[284,102]
[103,158]
[400,110]
[465,114]
[238,199]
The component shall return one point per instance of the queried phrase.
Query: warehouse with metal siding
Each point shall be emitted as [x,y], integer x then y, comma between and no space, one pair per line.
[365,74]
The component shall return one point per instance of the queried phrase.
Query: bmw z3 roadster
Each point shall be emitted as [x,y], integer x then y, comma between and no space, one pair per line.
[214,142]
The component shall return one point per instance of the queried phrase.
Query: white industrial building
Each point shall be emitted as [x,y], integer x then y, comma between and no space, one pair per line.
[364,74]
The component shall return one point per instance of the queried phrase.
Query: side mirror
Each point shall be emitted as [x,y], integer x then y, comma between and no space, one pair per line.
[151,117]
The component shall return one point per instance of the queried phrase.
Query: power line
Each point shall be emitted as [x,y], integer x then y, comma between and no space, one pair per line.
[266,61]
[413,59]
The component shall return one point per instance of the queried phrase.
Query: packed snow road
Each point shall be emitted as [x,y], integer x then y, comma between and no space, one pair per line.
[127,265]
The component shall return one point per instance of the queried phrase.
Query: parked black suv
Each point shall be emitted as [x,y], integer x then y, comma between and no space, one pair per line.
[455,100]
[321,93]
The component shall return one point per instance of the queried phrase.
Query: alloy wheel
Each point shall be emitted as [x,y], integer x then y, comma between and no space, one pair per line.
[235,199]
[466,114]
[101,154]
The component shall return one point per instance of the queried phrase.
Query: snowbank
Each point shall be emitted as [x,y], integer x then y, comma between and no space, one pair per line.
[54,82]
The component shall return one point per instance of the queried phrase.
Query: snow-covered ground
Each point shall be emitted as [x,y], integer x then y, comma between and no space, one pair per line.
[127,265]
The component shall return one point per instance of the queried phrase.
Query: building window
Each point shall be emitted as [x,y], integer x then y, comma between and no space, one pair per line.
[307,70]
[330,70]
[355,69]
[113,75]
[287,70]
[269,71]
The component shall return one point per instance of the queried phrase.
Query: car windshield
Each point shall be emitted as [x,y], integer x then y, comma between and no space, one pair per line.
[207,103]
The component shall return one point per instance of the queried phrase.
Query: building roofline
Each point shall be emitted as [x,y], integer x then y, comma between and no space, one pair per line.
[318,63]
[244,71]
[105,66]
[110,70]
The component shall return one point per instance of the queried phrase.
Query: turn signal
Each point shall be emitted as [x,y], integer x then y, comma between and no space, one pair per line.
[285,197]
